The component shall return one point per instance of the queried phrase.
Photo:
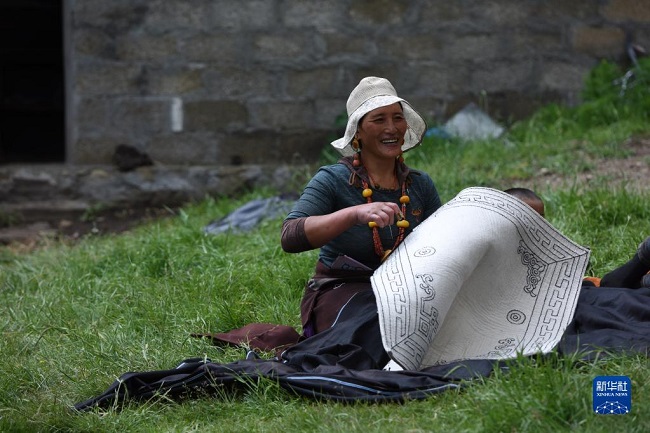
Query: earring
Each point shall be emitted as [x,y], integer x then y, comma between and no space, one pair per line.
[357,151]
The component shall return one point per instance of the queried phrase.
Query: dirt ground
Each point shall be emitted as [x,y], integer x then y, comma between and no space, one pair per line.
[75,227]
[633,170]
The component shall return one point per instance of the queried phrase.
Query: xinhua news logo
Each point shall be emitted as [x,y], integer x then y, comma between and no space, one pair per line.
[612,395]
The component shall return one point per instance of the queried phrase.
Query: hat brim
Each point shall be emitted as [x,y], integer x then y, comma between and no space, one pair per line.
[416,126]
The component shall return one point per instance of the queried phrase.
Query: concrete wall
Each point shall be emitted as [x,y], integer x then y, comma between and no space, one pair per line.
[229,82]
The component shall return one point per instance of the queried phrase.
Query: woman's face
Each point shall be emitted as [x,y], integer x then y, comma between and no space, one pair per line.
[381,131]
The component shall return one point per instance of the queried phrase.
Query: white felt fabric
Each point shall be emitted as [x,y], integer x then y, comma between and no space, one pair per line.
[485,277]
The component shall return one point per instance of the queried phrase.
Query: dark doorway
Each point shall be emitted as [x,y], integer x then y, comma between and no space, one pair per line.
[32,119]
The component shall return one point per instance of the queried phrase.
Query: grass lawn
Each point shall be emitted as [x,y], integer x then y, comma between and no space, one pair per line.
[74,317]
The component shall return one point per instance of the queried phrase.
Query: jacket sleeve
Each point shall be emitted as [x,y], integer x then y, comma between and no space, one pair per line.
[294,239]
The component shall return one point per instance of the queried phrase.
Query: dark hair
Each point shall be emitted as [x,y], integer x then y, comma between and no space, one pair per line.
[523,193]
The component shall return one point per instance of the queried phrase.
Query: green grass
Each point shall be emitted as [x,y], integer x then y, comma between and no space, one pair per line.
[74,317]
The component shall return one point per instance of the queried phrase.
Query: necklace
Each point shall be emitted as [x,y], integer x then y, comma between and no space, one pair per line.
[376,185]
[402,223]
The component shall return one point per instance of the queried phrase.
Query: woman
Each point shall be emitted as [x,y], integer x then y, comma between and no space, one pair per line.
[359,209]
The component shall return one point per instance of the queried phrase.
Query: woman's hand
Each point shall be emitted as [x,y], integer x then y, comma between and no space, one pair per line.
[321,229]
[381,213]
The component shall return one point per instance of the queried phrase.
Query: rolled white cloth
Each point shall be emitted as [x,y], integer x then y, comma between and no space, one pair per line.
[485,277]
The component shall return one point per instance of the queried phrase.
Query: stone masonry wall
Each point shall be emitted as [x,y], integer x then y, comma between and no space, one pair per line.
[237,82]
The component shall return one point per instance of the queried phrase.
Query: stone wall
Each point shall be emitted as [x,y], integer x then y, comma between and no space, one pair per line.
[238,82]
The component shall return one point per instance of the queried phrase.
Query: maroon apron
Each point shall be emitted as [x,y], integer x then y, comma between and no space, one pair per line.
[326,293]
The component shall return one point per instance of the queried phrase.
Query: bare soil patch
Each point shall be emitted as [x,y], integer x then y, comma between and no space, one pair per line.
[633,171]
[71,228]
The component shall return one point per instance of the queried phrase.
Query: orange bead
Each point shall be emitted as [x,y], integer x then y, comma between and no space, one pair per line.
[404,199]
[367,192]
[372,224]
[402,224]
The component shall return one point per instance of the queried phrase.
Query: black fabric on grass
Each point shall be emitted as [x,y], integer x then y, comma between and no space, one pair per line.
[343,363]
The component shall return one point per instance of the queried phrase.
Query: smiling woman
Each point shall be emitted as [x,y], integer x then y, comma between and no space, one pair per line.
[381,135]
[360,209]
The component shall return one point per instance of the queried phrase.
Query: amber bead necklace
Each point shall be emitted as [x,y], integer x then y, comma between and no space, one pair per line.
[402,223]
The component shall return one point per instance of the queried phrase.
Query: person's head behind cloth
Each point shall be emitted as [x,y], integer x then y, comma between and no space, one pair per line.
[372,93]
[529,197]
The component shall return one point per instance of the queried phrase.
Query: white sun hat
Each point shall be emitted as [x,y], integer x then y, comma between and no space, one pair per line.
[372,93]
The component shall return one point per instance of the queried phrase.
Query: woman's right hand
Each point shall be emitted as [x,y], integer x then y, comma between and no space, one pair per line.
[321,229]
[382,213]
